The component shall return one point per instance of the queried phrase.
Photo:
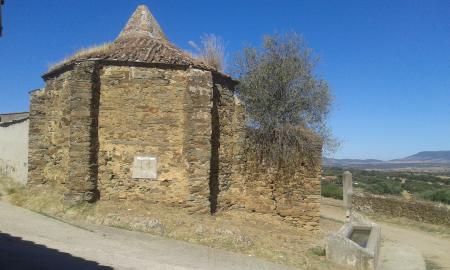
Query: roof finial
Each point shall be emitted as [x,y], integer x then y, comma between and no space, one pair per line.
[142,24]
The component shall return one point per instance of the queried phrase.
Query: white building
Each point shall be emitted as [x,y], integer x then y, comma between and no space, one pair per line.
[14,146]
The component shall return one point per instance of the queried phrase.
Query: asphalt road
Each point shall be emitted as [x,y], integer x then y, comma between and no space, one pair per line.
[32,241]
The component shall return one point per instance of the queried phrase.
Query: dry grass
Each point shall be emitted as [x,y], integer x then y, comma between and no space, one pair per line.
[211,51]
[8,188]
[259,235]
[82,53]
[440,230]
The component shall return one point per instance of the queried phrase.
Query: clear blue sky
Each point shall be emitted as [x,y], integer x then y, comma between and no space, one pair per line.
[387,62]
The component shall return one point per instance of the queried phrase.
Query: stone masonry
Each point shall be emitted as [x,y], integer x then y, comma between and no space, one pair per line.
[142,96]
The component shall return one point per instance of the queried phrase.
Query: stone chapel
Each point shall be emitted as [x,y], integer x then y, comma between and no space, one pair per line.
[139,119]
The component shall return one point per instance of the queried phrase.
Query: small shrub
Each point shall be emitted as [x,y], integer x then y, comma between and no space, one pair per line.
[393,188]
[430,265]
[11,190]
[415,186]
[439,195]
[332,190]
[318,251]
[9,187]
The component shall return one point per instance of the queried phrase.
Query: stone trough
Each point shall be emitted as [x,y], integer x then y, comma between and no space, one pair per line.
[355,245]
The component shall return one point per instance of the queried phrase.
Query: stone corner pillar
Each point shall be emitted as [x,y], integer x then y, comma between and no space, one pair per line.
[197,139]
[36,140]
[83,149]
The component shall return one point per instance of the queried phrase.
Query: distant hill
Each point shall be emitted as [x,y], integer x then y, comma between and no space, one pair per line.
[422,161]
[427,157]
[350,161]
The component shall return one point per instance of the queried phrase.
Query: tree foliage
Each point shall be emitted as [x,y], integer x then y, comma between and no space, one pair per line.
[284,98]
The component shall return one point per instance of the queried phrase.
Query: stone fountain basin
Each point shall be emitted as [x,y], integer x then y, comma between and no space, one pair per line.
[355,245]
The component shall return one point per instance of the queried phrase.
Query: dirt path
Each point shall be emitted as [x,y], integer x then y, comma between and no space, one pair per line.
[32,241]
[433,247]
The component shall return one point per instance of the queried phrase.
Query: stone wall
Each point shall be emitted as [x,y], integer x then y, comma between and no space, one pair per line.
[83,139]
[14,149]
[197,142]
[195,126]
[63,142]
[37,146]
[92,120]
[49,132]
[141,113]
[257,187]
[159,112]
[224,142]
[293,195]
[399,207]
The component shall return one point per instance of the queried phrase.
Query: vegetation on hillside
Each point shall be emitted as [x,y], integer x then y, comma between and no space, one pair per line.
[426,186]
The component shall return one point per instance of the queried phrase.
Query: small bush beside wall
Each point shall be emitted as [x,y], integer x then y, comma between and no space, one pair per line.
[331,190]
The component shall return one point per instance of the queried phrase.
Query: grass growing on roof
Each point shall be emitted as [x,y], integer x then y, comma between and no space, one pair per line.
[93,51]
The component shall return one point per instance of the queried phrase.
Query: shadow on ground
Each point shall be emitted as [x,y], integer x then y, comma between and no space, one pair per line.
[16,253]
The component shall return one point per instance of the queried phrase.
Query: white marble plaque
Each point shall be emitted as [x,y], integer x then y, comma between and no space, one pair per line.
[144,167]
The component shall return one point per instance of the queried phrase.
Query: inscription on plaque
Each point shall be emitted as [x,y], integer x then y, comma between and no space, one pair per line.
[144,167]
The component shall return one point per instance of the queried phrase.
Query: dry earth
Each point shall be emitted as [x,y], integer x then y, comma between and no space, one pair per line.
[251,234]
[32,241]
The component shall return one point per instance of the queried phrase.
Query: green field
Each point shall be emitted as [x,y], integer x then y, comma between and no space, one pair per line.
[427,186]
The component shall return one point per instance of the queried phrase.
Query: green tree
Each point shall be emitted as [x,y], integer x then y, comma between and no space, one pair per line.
[285,100]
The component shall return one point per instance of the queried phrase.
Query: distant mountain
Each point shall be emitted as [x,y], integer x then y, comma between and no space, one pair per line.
[347,161]
[422,161]
[427,157]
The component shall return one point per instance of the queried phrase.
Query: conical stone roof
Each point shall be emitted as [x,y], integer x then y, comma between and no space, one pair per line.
[142,24]
[141,40]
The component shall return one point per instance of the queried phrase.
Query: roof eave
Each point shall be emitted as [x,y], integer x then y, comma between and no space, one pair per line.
[69,65]
[53,72]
